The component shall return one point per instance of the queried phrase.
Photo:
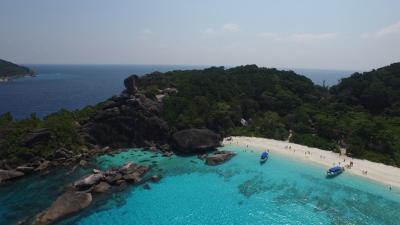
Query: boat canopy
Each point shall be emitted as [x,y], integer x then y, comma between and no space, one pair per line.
[335,169]
[264,155]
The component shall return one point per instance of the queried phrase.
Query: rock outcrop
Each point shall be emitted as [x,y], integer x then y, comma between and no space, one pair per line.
[218,157]
[89,180]
[6,175]
[36,137]
[67,204]
[80,196]
[128,120]
[196,140]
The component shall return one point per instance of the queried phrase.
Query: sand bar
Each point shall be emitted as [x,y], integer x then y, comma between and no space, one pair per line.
[385,174]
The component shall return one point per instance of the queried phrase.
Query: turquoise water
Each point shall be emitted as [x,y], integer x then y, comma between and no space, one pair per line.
[241,191]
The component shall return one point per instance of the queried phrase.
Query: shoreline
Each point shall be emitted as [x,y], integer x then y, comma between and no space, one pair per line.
[384,174]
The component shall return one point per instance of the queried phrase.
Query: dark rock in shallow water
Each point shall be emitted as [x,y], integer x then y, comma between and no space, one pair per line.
[67,204]
[113,177]
[146,186]
[218,157]
[156,178]
[196,140]
[9,175]
[133,177]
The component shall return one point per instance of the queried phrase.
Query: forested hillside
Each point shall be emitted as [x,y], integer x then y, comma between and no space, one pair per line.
[8,69]
[361,113]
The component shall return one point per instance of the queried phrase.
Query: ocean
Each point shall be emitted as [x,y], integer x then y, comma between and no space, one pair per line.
[75,86]
[241,191]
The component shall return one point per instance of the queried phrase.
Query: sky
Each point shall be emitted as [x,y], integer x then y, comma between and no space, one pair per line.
[324,34]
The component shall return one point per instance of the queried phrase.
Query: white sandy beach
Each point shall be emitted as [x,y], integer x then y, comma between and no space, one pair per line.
[385,174]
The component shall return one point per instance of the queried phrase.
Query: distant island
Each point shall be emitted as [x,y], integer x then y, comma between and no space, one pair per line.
[9,70]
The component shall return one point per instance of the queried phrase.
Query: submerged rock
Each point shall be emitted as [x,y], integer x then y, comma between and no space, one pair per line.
[83,163]
[219,157]
[101,187]
[196,140]
[67,204]
[9,175]
[156,178]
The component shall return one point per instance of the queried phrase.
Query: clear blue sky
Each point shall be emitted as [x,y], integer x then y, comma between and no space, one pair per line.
[334,34]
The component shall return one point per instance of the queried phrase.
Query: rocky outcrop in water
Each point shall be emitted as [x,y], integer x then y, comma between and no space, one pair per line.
[6,175]
[80,196]
[218,157]
[65,205]
[196,140]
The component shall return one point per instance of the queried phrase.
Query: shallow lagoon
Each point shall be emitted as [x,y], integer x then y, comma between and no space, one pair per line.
[241,191]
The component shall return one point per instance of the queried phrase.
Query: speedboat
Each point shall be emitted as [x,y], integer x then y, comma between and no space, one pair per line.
[264,157]
[334,171]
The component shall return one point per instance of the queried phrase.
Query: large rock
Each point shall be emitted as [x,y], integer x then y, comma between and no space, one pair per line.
[196,140]
[66,204]
[37,136]
[101,187]
[89,181]
[132,124]
[9,175]
[130,84]
[219,158]
[62,153]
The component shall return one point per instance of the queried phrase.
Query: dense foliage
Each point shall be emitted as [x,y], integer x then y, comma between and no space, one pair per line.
[63,127]
[361,113]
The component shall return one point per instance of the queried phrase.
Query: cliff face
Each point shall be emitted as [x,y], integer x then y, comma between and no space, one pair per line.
[128,120]
[10,70]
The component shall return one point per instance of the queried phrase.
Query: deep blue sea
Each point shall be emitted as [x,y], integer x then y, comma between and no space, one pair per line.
[75,86]
[241,191]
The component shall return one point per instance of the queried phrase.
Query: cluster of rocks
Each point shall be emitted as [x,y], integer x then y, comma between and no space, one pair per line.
[61,156]
[80,195]
[9,173]
[217,158]
[100,181]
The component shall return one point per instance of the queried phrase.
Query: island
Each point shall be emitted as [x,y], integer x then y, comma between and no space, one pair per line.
[360,114]
[9,70]
[194,112]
